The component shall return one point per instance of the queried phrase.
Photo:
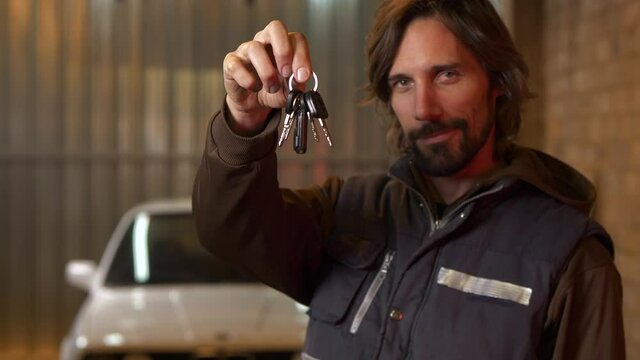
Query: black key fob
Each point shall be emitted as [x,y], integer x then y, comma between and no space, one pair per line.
[300,135]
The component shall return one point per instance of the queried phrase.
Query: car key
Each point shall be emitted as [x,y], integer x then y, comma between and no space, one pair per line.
[300,135]
[317,110]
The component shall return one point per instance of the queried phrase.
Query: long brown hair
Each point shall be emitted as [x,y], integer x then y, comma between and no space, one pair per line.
[478,26]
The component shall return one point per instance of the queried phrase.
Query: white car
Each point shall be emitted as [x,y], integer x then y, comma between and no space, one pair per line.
[157,294]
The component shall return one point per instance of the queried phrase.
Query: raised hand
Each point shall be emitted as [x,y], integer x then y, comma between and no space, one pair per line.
[255,75]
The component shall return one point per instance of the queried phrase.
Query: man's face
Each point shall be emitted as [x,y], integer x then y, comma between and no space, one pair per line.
[442,98]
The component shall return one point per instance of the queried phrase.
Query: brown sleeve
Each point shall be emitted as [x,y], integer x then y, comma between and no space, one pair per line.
[584,319]
[243,217]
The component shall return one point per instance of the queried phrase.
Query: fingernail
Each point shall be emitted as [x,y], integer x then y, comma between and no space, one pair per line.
[303,75]
[286,71]
[274,89]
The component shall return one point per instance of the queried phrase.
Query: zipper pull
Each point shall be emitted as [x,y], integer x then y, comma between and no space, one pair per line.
[387,262]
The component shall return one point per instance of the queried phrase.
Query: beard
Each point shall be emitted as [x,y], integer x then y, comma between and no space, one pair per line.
[439,159]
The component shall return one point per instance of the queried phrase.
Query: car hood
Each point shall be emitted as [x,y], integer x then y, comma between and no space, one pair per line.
[230,316]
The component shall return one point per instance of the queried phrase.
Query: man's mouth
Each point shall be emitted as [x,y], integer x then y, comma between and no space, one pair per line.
[437,136]
[432,133]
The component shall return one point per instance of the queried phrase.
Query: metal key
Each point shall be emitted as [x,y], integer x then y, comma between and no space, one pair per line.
[293,102]
[300,135]
[317,110]
[323,125]
[313,127]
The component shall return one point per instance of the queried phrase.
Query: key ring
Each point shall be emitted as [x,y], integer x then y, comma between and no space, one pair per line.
[315,79]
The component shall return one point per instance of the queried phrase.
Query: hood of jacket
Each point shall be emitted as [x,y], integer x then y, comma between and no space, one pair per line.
[550,175]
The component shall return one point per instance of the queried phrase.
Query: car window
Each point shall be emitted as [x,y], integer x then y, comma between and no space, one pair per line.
[164,249]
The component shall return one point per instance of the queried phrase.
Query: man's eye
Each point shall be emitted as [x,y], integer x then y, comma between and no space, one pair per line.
[400,83]
[448,76]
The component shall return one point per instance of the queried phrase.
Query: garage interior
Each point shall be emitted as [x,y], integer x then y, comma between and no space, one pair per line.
[104,104]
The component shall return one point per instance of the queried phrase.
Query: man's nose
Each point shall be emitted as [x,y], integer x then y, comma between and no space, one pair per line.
[427,103]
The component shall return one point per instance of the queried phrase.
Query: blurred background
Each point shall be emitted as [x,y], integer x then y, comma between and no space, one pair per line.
[104,104]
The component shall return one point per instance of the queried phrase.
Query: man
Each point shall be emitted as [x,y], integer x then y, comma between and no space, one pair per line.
[469,248]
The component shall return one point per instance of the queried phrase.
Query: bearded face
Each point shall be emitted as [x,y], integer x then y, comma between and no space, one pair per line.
[447,158]
[442,98]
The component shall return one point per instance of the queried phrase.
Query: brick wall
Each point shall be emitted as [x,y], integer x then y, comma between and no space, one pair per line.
[591,110]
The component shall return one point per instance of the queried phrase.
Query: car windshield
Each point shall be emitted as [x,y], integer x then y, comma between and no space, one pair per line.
[164,249]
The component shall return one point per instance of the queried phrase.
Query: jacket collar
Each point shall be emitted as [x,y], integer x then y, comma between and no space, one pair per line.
[548,174]
[404,171]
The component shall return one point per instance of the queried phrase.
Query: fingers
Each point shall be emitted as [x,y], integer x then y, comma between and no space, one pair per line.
[259,60]
[272,55]
[239,74]
[277,35]
[290,50]
[254,74]
[301,61]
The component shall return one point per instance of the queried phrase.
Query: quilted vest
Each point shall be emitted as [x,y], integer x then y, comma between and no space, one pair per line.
[475,285]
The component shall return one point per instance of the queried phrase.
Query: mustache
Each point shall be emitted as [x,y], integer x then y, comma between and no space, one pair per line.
[433,127]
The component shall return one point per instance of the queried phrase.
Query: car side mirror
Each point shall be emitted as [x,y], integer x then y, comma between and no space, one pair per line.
[80,273]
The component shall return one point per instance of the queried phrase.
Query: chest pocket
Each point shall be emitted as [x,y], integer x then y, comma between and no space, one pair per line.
[350,260]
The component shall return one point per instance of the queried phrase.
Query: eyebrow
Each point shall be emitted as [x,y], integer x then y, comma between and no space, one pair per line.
[433,70]
[439,68]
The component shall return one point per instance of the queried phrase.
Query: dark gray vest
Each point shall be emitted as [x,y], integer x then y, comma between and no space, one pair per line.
[478,287]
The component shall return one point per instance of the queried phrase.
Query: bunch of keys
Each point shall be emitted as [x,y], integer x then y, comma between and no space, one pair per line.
[303,109]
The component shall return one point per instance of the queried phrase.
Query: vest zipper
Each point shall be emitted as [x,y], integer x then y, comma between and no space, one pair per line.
[447,217]
[372,292]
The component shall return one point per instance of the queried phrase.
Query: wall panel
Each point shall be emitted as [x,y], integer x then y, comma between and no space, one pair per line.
[21,286]
[4,74]
[4,174]
[130,110]
[20,54]
[74,206]
[102,126]
[48,137]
